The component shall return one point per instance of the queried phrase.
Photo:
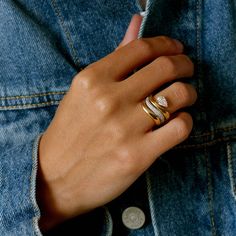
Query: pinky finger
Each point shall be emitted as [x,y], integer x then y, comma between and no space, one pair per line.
[157,142]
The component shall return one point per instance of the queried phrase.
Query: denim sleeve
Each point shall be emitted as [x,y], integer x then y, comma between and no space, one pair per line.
[19,212]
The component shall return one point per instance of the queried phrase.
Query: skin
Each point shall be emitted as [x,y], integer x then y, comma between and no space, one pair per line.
[100,140]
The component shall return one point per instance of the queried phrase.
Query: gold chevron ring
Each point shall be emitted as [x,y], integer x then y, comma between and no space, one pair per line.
[156,109]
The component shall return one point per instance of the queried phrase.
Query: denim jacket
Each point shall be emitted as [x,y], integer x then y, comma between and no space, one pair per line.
[191,189]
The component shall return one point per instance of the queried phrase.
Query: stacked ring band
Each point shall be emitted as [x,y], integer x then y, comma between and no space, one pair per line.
[155,118]
[156,109]
[162,104]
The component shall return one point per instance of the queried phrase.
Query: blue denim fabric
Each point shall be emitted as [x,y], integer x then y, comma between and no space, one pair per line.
[190,190]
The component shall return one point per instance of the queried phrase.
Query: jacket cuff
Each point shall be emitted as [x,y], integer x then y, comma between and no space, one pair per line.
[19,212]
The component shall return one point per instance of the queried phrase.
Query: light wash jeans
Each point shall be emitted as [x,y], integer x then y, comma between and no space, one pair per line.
[190,190]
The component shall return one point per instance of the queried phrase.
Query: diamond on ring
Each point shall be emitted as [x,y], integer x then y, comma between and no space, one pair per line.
[156,111]
[161,100]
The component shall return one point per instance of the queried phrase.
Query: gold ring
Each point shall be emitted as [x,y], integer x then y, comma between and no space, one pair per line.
[151,114]
[156,109]
[158,106]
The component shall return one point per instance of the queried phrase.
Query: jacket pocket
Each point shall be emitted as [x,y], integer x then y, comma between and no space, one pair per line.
[34,68]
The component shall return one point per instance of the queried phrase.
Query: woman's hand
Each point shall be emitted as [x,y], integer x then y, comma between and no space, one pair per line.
[101,140]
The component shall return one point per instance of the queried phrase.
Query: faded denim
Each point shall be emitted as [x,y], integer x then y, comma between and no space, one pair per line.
[190,190]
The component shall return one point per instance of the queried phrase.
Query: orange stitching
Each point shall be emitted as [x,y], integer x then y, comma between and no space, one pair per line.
[31,105]
[67,32]
[32,96]
[230,128]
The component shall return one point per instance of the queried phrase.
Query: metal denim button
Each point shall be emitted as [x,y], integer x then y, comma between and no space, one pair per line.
[133,218]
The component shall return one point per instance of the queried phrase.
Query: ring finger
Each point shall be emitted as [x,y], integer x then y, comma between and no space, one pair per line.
[178,95]
[162,70]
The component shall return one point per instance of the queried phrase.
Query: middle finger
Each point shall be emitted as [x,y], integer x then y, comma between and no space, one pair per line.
[162,70]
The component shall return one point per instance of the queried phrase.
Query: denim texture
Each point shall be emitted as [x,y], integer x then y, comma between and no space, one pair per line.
[190,190]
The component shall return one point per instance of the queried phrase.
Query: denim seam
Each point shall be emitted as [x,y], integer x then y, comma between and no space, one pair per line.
[229,128]
[149,192]
[199,52]
[56,102]
[230,170]
[32,96]
[197,42]
[210,143]
[33,180]
[66,31]
[210,192]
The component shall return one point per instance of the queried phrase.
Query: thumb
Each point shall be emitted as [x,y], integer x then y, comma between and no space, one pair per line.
[132,31]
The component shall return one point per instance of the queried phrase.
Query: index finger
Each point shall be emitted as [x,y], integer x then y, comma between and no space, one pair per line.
[121,62]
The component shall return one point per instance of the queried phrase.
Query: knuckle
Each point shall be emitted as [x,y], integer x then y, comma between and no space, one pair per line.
[168,65]
[183,126]
[182,92]
[166,41]
[105,104]
[84,80]
[83,83]
[144,46]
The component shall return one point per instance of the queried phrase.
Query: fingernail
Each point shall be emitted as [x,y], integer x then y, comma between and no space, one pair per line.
[179,45]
